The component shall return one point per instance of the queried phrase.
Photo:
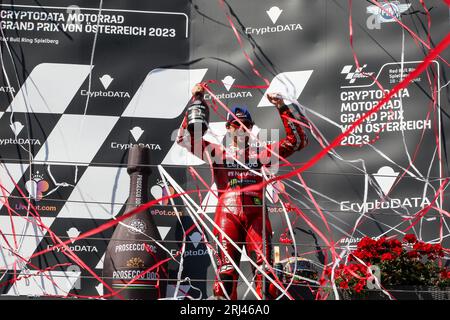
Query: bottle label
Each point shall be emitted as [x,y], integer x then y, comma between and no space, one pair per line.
[134,247]
[122,278]
[137,226]
[138,191]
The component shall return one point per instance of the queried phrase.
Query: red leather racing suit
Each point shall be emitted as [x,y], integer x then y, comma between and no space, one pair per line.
[239,214]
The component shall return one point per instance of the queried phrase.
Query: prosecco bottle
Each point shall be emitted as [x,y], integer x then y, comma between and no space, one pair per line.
[198,115]
[132,250]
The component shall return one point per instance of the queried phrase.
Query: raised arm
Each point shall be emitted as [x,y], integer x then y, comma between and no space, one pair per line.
[195,143]
[295,139]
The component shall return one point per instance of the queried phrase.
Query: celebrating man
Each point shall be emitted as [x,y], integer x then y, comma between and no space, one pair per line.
[239,214]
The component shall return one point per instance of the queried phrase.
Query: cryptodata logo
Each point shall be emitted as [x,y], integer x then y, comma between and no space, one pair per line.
[106,81]
[136,132]
[196,240]
[228,82]
[196,237]
[274,14]
[16,128]
[386,177]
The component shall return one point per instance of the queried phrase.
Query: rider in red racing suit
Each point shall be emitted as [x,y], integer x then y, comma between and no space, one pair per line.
[239,214]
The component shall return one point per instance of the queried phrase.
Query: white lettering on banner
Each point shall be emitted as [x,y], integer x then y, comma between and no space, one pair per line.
[95,18]
[357,100]
[368,105]
[74,248]
[274,14]
[131,274]
[371,94]
[194,253]
[269,29]
[20,141]
[135,247]
[18,26]
[108,94]
[29,41]
[32,15]
[47,21]
[116,30]
[126,146]
[398,126]
[230,95]
[7,89]
[350,240]
[76,19]
[414,202]
[47,41]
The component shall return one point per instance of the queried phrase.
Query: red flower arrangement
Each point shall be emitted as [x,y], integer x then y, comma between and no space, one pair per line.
[407,263]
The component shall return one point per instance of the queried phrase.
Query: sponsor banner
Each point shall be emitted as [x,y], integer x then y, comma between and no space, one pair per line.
[94,82]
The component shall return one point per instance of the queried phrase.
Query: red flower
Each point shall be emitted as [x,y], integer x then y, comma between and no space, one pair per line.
[395,243]
[387,256]
[410,238]
[366,243]
[322,281]
[343,285]
[398,251]
[437,248]
[428,248]
[413,254]
[360,286]
[382,242]
[418,246]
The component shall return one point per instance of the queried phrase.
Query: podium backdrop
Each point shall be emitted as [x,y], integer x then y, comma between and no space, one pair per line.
[83,81]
